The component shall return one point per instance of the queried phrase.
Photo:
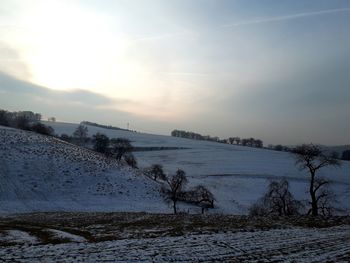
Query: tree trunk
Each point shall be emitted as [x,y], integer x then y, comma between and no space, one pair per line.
[314,207]
[174,206]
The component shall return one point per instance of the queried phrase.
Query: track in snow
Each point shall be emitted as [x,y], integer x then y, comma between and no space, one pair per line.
[288,245]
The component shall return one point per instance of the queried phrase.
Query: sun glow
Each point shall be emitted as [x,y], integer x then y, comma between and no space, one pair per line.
[69,48]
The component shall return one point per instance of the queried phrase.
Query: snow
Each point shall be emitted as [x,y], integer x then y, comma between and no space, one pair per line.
[17,237]
[40,173]
[236,175]
[67,236]
[286,245]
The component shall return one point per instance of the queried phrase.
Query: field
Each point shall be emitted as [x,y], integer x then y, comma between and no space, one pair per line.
[140,237]
[64,203]
[236,175]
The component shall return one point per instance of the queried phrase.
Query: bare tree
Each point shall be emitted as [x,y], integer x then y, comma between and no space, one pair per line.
[120,147]
[130,160]
[311,158]
[175,186]
[81,134]
[22,122]
[101,143]
[327,199]
[278,200]
[156,172]
[201,196]
[4,118]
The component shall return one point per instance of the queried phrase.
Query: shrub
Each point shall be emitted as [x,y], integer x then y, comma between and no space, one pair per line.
[42,129]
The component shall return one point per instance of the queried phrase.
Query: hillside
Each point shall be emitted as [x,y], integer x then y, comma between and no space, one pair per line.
[237,175]
[40,173]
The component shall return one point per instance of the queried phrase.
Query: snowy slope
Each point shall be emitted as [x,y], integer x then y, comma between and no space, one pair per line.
[40,173]
[237,175]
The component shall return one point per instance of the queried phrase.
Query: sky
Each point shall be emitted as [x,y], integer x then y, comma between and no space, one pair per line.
[275,70]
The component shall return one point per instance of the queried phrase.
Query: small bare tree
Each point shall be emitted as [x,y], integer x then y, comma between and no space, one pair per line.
[175,186]
[278,200]
[81,134]
[156,172]
[101,143]
[312,158]
[130,160]
[201,196]
[120,147]
[326,198]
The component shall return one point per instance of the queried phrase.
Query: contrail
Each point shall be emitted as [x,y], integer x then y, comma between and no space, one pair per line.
[286,17]
[247,22]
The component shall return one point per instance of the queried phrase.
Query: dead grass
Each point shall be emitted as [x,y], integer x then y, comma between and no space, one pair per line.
[97,227]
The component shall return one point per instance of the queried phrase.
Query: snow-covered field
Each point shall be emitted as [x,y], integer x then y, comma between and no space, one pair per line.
[236,175]
[40,173]
[288,245]
[142,237]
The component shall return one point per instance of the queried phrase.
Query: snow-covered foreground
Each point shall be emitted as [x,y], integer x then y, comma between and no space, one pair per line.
[143,237]
[288,245]
[236,175]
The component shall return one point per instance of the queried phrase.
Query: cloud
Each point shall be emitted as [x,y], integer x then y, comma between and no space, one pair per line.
[286,17]
[10,84]
[74,106]
[11,62]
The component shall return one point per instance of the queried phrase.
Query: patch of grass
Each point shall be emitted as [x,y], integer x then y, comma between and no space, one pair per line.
[97,227]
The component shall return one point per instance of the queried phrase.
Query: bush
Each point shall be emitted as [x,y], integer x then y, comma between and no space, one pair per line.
[101,143]
[42,129]
[200,196]
[65,137]
[277,200]
[120,147]
[156,172]
[130,160]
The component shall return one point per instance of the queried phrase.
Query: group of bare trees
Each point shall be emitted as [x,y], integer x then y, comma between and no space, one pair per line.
[118,148]
[278,199]
[193,135]
[25,120]
[251,142]
[16,119]
[174,189]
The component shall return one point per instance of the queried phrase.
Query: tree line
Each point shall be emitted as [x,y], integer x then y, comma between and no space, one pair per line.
[251,142]
[110,127]
[25,120]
